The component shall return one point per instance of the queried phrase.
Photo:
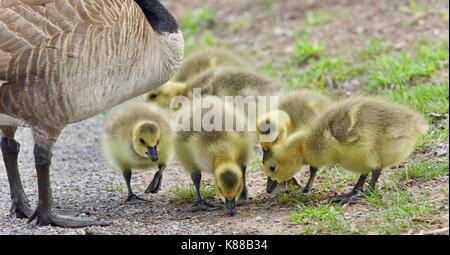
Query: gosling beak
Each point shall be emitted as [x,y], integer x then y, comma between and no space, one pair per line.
[265,154]
[152,153]
[271,185]
[231,207]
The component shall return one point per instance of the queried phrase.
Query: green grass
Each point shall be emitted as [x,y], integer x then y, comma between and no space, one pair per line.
[186,193]
[196,28]
[323,219]
[305,49]
[375,48]
[295,196]
[396,212]
[416,10]
[392,212]
[323,73]
[434,135]
[432,98]
[267,5]
[317,18]
[425,170]
[444,16]
[396,72]
[255,165]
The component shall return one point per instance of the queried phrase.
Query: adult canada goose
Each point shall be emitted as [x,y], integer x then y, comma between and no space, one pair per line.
[66,61]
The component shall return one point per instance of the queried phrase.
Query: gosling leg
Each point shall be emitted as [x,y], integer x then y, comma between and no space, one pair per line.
[19,203]
[132,198]
[354,196]
[200,204]
[312,175]
[156,183]
[44,212]
[373,182]
[243,198]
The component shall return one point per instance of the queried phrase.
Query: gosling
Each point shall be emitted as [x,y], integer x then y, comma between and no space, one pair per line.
[227,81]
[361,134]
[224,154]
[191,68]
[137,136]
[295,111]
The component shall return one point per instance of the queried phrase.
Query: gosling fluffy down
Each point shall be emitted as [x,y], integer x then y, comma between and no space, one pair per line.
[236,82]
[224,154]
[137,136]
[360,134]
[296,110]
[180,84]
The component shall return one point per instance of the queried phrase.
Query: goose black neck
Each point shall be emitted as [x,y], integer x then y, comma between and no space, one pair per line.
[158,16]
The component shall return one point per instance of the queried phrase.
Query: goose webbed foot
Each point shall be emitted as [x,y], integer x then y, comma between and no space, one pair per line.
[349,198]
[21,210]
[135,199]
[52,218]
[155,185]
[355,196]
[202,205]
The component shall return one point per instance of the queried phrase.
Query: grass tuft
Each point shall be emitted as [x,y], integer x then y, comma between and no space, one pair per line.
[425,170]
[186,193]
[305,49]
[387,72]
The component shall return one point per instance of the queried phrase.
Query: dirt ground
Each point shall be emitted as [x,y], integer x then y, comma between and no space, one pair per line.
[82,180]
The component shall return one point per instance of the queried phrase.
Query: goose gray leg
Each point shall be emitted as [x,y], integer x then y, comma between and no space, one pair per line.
[132,198]
[200,204]
[354,196]
[312,176]
[10,151]
[44,213]
[155,185]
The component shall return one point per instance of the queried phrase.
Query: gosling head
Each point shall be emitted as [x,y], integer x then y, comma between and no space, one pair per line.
[281,165]
[163,95]
[146,136]
[271,129]
[230,183]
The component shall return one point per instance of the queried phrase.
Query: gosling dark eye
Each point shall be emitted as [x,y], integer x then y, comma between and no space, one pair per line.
[142,141]
[153,96]
[273,168]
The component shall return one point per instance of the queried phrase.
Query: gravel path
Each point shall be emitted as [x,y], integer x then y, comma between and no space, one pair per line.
[82,180]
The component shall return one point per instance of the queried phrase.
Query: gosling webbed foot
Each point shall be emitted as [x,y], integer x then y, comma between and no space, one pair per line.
[135,199]
[349,198]
[155,185]
[52,218]
[202,205]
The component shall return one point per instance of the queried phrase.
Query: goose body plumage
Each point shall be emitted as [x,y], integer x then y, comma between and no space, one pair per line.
[74,59]
[64,61]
